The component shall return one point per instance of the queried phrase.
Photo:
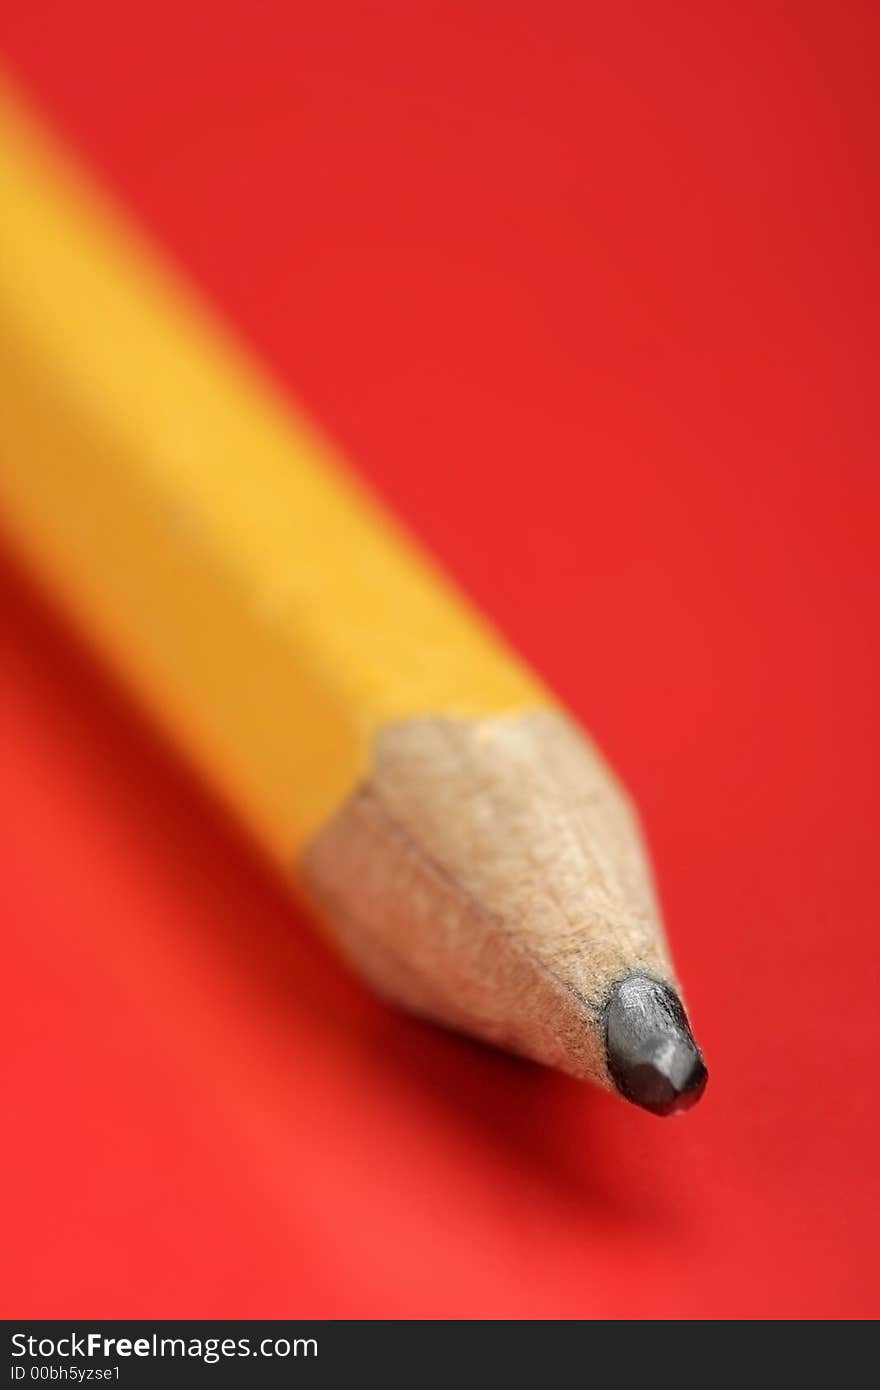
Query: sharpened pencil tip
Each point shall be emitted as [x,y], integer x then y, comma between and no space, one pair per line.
[652,1056]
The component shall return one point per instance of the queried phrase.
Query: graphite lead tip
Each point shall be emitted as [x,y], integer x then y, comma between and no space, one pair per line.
[652,1056]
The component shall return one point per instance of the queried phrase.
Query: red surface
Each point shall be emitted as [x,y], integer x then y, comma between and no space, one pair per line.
[590,291]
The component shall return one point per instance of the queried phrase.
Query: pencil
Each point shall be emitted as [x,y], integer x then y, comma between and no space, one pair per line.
[466,846]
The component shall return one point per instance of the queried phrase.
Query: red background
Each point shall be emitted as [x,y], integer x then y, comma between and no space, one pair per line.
[590,293]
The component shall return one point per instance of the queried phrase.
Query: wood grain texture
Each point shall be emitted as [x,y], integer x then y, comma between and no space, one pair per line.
[489,874]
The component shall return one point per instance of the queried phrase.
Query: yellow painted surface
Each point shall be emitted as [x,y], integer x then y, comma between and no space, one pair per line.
[198,528]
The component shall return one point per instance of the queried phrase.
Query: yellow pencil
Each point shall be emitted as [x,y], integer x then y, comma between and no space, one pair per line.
[469,850]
